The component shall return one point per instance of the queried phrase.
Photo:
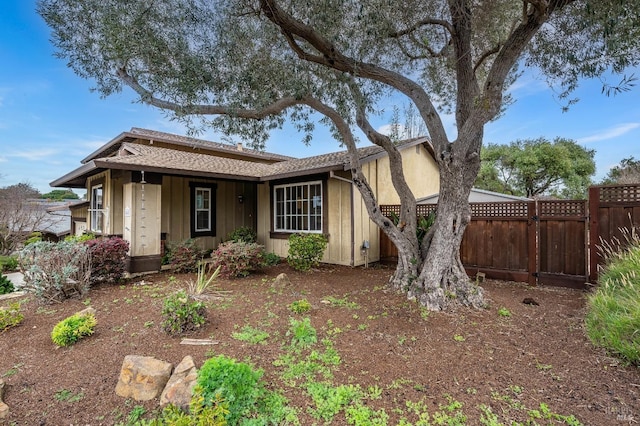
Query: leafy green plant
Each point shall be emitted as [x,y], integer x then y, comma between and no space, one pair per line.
[300,306]
[613,309]
[306,250]
[270,259]
[83,238]
[302,332]
[73,328]
[244,234]
[237,259]
[8,263]
[10,316]
[251,335]
[330,400]
[6,286]
[237,383]
[181,313]
[504,312]
[203,282]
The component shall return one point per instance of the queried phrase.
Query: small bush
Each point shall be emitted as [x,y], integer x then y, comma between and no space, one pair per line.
[300,306]
[108,259]
[236,382]
[8,263]
[184,257]
[71,329]
[302,333]
[181,313]
[306,250]
[83,238]
[55,271]
[270,259]
[10,316]
[6,286]
[203,282]
[613,310]
[237,259]
[244,234]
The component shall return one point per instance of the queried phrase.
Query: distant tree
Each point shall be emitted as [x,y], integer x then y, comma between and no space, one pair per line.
[628,171]
[20,216]
[60,194]
[536,167]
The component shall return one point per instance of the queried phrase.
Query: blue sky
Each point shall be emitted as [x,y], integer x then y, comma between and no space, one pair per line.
[49,119]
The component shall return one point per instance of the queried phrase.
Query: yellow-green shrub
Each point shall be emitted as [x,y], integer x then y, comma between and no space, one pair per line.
[71,329]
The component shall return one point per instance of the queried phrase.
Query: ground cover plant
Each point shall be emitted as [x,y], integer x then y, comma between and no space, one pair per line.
[613,317]
[363,355]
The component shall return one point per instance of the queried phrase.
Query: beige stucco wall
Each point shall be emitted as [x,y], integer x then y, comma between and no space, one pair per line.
[420,170]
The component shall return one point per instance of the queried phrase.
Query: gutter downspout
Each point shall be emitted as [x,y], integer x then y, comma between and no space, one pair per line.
[332,175]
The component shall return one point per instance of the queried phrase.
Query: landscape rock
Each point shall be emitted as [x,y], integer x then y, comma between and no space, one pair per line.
[179,389]
[87,311]
[4,408]
[281,281]
[142,378]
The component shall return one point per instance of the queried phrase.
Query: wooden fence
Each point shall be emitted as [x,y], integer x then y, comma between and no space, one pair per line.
[539,242]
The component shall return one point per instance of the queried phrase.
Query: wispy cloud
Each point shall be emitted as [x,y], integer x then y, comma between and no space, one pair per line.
[34,154]
[610,133]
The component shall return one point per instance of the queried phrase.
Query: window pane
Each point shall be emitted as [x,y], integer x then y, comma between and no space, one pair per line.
[202,220]
[298,207]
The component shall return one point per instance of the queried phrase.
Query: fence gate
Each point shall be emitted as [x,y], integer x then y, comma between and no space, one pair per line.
[562,243]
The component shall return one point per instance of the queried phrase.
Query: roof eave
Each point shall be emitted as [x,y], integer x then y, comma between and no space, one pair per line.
[298,173]
[76,178]
[176,171]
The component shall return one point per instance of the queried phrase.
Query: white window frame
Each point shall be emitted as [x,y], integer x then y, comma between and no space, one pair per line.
[309,208]
[97,219]
[197,190]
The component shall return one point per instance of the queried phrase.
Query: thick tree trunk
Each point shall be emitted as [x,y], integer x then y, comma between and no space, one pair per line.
[438,279]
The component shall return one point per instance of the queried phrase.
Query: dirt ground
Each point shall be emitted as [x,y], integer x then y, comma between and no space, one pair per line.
[511,357]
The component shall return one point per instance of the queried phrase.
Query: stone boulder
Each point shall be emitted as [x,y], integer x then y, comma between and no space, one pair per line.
[281,282]
[142,378]
[4,408]
[179,389]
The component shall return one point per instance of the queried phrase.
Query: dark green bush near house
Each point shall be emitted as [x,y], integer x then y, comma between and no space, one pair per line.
[108,259]
[182,313]
[237,259]
[243,233]
[73,328]
[6,286]
[270,259]
[184,256]
[306,250]
[10,316]
[613,309]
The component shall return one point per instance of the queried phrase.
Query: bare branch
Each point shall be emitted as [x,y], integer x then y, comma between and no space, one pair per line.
[420,24]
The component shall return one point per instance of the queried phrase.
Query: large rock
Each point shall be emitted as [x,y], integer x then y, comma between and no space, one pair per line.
[281,282]
[179,389]
[4,408]
[142,378]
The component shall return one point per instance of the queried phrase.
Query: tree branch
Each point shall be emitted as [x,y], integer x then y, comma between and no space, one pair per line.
[420,24]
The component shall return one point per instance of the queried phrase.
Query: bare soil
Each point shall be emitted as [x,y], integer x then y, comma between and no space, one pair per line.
[537,355]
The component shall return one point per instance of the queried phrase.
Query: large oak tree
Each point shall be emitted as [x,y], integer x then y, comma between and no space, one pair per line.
[246,66]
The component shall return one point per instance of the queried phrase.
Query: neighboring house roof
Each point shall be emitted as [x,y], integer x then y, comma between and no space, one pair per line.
[204,163]
[477,196]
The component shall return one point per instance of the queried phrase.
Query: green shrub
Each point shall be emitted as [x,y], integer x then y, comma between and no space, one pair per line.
[300,306]
[244,234]
[237,259]
[71,329]
[10,316]
[181,313]
[236,382]
[302,333]
[270,259]
[82,238]
[306,250]
[8,263]
[613,310]
[184,256]
[55,271]
[6,286]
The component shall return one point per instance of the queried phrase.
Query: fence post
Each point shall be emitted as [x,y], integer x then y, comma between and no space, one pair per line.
[594,234]
[532,237]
